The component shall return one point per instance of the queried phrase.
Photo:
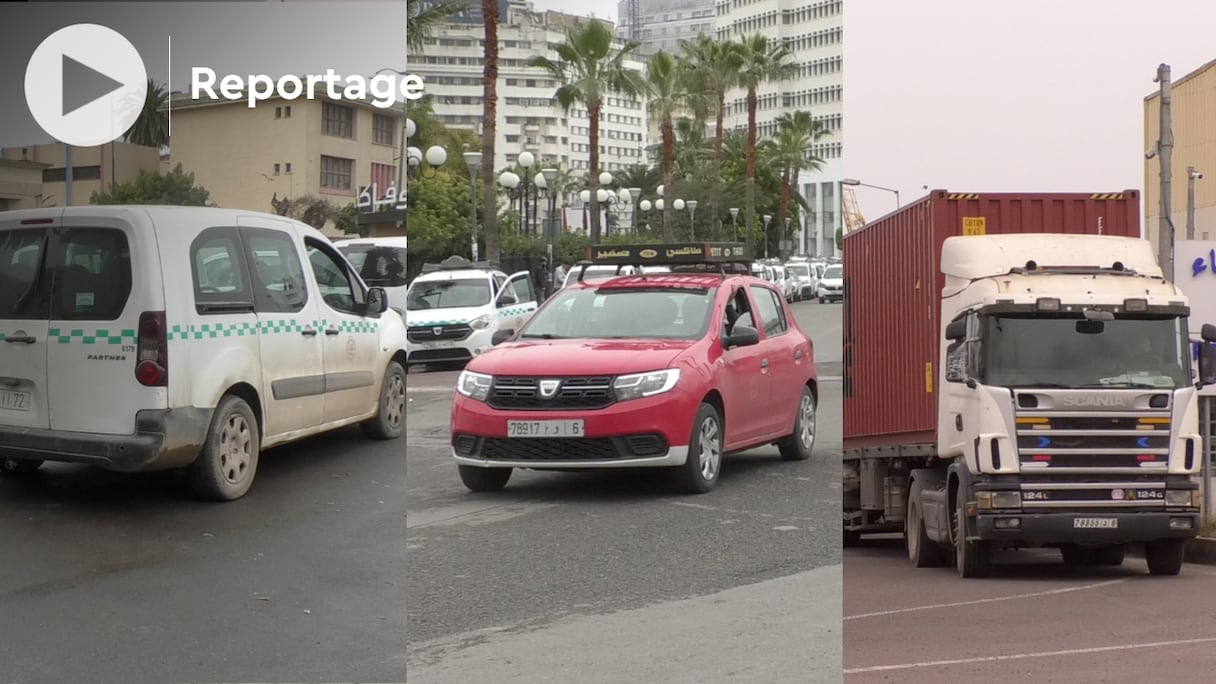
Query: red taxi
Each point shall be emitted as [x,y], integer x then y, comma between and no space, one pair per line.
[668,370]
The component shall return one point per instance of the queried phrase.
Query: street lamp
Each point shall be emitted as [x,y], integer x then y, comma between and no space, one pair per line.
[525,161]
[549,176]
[584,198]
[473,160]
[692,213]
[634,194]
[854,181]
[734,221]
[767,218]
[1191,176]
[436,156]
[510,183]
[786,235]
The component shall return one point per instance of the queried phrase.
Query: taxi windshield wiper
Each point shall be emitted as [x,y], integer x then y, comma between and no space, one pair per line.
[542,336]
[29,294]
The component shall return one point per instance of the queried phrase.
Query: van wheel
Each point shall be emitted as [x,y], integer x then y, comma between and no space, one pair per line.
[801,442]
[18,466]
[479,479]
[389,421]
[700,472]
[226,465]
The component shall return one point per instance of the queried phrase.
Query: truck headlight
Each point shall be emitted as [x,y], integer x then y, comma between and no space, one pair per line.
[645,384]
[1182,497]
[474,385]
[480,322]
[998,499]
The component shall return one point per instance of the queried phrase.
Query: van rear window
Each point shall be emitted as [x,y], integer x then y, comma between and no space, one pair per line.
[20,261]
[81,274]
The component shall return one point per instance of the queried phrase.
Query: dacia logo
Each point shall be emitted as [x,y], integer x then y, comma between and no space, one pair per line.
[437,330]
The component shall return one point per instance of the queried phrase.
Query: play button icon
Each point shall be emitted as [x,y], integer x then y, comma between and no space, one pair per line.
[85,85]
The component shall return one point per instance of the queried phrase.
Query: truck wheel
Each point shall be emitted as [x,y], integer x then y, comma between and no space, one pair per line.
[700,472]
[1109,555]
[389,421]
[970,558]
[922,550]
[226,465]
[18,466]
[484,479]
[801,442]
[1165,556]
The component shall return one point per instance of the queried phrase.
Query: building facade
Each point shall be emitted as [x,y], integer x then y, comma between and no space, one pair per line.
[529,117]
[813,31]
[1192,101]
[94,169]
[284,148]
[663,24]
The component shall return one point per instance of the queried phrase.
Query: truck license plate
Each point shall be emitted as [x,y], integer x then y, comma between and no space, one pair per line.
[13,400]
[544,428]
[1096,523]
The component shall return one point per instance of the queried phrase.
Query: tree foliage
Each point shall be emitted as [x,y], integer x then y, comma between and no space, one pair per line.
[152,187]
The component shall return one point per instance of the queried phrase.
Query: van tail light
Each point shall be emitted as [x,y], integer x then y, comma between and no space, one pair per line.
[152,350]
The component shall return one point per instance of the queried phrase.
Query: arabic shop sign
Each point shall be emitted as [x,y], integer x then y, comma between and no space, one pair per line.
[370,200]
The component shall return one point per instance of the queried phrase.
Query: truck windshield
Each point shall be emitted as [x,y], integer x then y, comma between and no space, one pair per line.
[622,314]
[1071,352]
[448,294]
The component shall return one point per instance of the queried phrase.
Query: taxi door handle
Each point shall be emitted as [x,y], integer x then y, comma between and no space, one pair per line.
[797,354]
[308,331]
[331,331]
[22,339]
[764,363]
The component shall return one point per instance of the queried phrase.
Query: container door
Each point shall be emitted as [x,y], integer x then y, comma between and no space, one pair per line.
[24,312]
[351,341]
[105,279]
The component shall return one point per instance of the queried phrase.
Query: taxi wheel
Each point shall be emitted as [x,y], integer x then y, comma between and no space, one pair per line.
[801,442]
[479,479]
[18,466]
[700,472]
[389,421]
[226,465]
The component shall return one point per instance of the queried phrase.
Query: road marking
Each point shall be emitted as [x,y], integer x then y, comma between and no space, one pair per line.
[1023,656]
[429,390]
[1015,597]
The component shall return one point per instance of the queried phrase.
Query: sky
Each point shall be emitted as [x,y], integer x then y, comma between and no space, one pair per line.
[602,9]
[1009,96]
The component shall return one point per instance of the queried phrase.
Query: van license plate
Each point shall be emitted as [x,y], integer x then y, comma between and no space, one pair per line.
[12,400]
[1096,523]
[545,428]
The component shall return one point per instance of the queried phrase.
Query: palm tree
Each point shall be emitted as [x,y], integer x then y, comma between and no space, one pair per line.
[715,70]
[423,17]
[762,62]
[152,126]
[588,67]
[667,90]
[644,177]
[792,152]
[489,134]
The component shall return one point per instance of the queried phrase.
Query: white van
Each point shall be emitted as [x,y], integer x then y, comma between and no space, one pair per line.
[380,262]
[143,338]
[454,309]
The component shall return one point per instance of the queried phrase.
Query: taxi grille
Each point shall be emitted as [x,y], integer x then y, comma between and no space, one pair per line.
[426,333]
[587,392]
[560,449]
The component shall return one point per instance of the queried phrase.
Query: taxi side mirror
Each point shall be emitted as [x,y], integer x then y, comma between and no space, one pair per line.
[741,336]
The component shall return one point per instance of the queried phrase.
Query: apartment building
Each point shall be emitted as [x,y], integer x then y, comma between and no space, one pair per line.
[663,24]
[529,116]
[284,148]
[94,169]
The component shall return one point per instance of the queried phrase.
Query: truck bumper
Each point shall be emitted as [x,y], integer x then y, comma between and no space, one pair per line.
[1062,528]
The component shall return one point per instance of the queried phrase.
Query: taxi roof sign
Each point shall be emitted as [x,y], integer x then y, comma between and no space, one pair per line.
[668,254]
[457,263]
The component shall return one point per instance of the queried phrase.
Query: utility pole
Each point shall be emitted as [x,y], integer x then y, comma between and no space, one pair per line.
[1191,176]
[1165,149]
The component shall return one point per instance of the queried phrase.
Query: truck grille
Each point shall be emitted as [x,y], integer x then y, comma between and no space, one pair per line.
[435,333]
[524,393]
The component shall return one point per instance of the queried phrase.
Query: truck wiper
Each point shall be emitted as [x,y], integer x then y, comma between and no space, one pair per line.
[29,294]
[1128,383]
[1044,385]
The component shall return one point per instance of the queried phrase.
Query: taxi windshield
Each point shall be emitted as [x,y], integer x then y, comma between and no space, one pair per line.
[620,313]
[448,294]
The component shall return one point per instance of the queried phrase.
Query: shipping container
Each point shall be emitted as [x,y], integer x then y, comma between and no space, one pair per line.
[892,287]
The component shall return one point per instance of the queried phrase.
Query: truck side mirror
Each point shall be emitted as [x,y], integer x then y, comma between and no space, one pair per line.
[957,329]
[1208,332]
[1207,363]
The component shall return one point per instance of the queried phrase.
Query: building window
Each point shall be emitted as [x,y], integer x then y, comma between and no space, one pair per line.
[79,173]
[337,120]
[278,112]
[287,111]
[288,167]
[276,169]
[336,173]
[384,130]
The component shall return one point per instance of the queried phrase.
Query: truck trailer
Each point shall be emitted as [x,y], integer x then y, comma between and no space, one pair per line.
[1019,373]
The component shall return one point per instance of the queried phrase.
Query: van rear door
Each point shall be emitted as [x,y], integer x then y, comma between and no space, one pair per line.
[24,312]
[105,315]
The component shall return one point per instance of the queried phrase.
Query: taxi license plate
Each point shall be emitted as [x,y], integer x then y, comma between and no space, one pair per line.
[442,344]
[545,428]
[1096,523]
[13,400]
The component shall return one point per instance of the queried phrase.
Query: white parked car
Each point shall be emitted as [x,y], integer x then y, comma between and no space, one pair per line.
[805,282]
[142,338]
[831,285]
[453,310]
[380,262]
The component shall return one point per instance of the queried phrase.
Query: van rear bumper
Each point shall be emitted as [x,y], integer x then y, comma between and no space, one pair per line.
[163,439]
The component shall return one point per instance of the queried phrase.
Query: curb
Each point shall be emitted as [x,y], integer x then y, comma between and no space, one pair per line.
[1201,550]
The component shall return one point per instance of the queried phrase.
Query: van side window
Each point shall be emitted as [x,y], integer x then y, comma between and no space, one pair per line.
[332,280]
[20,255]
[278,277]
[221,281]
[92,278]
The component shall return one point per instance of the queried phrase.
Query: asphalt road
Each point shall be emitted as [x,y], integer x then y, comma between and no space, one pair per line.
[1034,620]
[612,577]
[127,579]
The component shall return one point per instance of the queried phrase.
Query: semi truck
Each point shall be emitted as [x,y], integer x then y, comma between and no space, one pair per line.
[1019,373]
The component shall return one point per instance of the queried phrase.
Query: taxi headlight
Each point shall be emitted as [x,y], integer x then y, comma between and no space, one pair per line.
[645,384]
[474,385]
[480,323]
